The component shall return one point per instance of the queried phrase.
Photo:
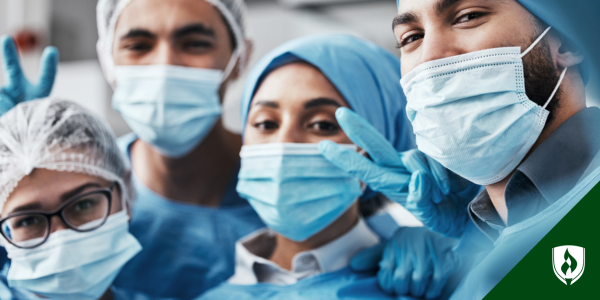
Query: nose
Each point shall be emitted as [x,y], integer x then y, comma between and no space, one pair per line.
[165,55]
[288,133]
[438,45]
[56,224]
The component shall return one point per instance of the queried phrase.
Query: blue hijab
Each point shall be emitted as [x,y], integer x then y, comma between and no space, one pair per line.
[366,75]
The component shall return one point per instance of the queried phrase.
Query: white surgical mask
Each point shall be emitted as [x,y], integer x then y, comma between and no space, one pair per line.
[74,265]
[173,108]
[294,189]
[471,114]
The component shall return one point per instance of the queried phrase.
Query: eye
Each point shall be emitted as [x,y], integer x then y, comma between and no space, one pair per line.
[469,17]
[194,45]
[324,126]
[28,221]
[85,204]
[410,39]
[138,47]
[265,125]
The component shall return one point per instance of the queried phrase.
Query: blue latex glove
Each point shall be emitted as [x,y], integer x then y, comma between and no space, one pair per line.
[436,196]
[18,88]
[415,262]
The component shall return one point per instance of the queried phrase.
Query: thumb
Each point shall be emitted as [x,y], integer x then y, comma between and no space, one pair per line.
[368,259]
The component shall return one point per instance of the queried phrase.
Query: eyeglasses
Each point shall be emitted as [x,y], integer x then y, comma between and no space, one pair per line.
[83,213]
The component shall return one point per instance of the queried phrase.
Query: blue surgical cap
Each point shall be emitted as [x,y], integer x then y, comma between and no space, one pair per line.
[366,75]
[577,20]
[554,14]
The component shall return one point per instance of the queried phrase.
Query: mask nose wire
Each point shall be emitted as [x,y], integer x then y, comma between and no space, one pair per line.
[536,42]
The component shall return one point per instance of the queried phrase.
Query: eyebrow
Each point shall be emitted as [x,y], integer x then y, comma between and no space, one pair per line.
[196,28]
[137,32]
[26,207]
[405,18]
[68,195]
[64,197]
[267,103]
[321,102]
[440,7]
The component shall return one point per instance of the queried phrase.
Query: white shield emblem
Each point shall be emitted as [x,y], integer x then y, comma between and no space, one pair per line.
[568,263]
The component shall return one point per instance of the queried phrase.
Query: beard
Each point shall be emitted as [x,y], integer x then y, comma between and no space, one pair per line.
[541,77]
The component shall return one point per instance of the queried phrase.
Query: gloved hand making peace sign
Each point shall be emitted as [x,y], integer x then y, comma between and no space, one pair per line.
[17,88]
[435,195]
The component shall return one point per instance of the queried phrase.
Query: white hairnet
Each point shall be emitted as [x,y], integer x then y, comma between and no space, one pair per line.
[61,136]
[108,12]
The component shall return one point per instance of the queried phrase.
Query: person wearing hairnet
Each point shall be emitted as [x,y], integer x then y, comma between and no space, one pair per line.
[310,206]
[496,94]
[65,194]
[170,63]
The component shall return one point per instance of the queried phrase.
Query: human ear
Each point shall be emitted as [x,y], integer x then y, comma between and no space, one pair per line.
[568,54]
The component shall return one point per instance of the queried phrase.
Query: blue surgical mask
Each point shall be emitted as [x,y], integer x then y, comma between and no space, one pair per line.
[471,114]
[294,189]
[172,108]
[74,265]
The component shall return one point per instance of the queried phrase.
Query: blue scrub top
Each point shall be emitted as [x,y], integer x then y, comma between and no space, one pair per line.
[187,249]
[342,284]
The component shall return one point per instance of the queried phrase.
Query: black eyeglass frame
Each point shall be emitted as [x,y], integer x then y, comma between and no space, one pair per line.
[59,212]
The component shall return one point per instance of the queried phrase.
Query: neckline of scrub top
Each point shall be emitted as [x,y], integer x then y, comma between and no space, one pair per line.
[126,141]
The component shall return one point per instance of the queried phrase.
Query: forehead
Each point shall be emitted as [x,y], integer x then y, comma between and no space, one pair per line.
[44,184]
[296,79]
[439,6]
[510,15]
[159,15]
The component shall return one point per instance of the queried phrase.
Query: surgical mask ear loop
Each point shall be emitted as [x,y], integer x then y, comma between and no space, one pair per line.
[562,75]
[232,62]
[536,42]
